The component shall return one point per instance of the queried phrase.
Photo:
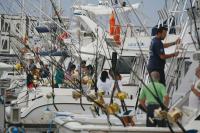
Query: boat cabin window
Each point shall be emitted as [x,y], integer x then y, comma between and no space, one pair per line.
[124,64]
[5,26]
[4,45]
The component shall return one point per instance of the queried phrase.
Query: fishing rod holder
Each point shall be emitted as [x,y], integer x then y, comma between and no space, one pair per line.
[76,95]
[160,114]
[91,97]
[172,116]
[121,95]
[112,108]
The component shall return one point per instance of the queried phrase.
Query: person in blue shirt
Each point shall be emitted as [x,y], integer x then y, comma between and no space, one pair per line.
[59,77]
[157,54]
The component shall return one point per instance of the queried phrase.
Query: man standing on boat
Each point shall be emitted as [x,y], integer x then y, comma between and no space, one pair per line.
[149,103]
[157,53]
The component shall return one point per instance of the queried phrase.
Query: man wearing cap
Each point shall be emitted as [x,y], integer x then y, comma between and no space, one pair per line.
[157,54]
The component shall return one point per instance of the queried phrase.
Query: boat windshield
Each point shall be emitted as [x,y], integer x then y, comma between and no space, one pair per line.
[124,64]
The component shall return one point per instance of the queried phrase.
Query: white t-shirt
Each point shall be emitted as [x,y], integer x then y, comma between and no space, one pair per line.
[106,86]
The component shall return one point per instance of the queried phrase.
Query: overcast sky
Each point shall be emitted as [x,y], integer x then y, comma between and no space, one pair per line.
[149,7]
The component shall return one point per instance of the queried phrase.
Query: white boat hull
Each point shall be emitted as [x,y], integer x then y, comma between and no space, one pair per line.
[34,111]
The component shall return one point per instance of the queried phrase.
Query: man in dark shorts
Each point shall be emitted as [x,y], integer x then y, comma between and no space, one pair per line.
[157,54]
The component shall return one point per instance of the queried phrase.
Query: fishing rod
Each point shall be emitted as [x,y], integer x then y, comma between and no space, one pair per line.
[57,14]
[52,86]
[96,89]
[138,19]
[195,23]
[81,75]
[52,75]
[3,8]
[194,42]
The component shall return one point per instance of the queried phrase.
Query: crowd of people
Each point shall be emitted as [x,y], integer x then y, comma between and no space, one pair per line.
[36,70]
[74,73]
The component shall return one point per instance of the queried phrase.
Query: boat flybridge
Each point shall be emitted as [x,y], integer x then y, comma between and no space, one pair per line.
[103,8]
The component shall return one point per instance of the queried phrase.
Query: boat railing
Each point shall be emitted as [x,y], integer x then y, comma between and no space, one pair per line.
[173,67]
[176,17]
